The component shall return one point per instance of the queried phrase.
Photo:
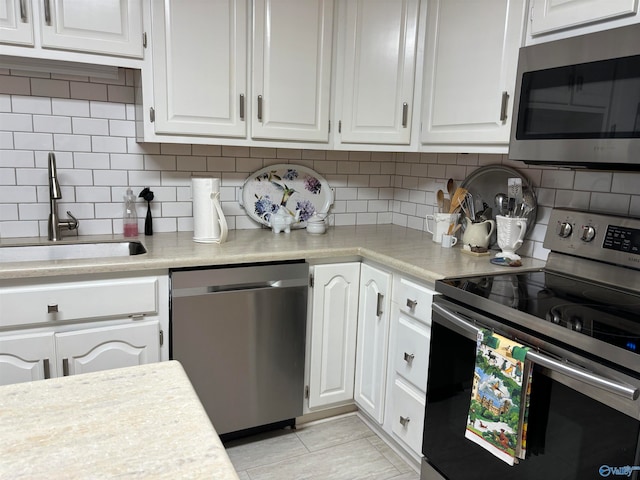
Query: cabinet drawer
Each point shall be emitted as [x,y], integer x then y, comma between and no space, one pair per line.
[413,299]
[412,351]
[408,415]
[65,301]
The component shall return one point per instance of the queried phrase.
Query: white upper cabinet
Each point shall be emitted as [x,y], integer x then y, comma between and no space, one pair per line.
[292,51]
[200,67]
[16,22]
[548,16]
[108,27]
[376,71]
[102,27]
[470,73]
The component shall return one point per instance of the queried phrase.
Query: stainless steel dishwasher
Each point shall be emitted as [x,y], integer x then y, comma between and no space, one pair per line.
[239,333]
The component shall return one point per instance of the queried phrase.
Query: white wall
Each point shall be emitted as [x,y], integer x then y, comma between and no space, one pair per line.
[89,124]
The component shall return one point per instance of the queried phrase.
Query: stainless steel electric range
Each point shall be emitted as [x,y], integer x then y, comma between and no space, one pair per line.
[580,316]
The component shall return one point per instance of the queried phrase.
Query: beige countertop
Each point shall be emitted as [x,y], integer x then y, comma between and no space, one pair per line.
[403,249]
[142,422]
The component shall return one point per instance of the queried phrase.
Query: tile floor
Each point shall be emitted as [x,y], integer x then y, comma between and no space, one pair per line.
[343,448]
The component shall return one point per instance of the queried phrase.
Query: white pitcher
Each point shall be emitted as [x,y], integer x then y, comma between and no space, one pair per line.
[478,234]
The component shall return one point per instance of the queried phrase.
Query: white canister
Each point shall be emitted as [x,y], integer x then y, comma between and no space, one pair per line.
[439,224]
[209,223]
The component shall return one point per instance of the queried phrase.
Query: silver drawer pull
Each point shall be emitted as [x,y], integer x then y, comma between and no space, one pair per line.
[408,357]
[379,305]
[404,421]
[65,367]
[46,368]
[52,308]
[411,303]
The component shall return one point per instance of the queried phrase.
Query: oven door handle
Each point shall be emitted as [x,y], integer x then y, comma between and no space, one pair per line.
[627,391]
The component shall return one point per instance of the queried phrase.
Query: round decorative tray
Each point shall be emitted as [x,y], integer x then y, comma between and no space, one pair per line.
[299,189]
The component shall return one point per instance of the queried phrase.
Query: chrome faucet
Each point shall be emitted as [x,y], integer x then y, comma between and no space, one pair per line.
[55,223]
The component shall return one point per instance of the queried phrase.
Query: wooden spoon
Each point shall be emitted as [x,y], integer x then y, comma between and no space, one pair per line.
[440,200]
[457,199]
[451,188]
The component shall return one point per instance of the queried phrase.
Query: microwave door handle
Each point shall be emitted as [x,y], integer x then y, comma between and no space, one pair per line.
[627,391]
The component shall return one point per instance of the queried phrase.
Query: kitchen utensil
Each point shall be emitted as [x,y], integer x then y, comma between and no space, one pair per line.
[511,232]
[440,200]
[501,201]
[478,234]
[148,222]
[209,223]
[439,224]
[451,188]
[448,241]
[457,201]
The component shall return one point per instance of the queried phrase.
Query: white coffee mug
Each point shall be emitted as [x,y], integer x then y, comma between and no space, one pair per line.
[511,232]
[448,241]
[438,224]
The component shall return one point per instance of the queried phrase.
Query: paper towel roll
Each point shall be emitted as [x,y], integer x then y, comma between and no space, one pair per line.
[206,219]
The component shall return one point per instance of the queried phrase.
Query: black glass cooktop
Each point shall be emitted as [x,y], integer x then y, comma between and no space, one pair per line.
[606,314]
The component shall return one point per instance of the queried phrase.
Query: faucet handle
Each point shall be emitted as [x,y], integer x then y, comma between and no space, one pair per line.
[73,223]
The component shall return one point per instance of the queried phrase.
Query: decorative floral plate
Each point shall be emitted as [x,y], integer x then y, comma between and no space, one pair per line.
[300,190]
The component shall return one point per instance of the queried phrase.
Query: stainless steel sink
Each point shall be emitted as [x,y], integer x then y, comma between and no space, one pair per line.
[68,251]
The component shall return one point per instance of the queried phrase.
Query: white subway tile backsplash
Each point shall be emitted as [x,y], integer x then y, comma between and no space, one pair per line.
[72,143]
[45,87]
[6,141]
[31,176]
[93,161]
[593,181]
[610,203]
[626,182]
[5,103]
[22,228]
[33,141]
[75,177]
[110,177]
[90,126]
[17,194]
[112,111]
[147,178]
[160,162]
[33,211]
[93,194]
[12,85]
[88,91]
[8,211]
[122,128]
[23,104]
[127,161]
[16,122]
[51,124]
[7,176]
[70,107]
[108,144]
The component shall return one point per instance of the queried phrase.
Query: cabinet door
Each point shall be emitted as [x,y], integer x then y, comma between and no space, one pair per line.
[111,27]
[200,67]
[551,15]
[372,340]
[378,52]
[16,22]
[292,44]
[469,78]
[26,357]
[104,348]
[333,333]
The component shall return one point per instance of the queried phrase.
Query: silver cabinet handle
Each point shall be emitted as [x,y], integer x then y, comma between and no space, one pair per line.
[46,368]
[408,357]
[260,107]
[23,12]
[503,106]
[52,308]
[47,12]
[471,331]
[405,114]
[65,367]
[411,303]
[242,106]
[404,421]
[379,305]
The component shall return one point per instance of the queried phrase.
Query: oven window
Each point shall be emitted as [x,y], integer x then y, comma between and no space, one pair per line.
[589,100]
[570,435]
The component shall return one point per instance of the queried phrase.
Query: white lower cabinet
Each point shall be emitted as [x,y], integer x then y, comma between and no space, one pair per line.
[372,340]
[409,343]
[332,349]
[71,325]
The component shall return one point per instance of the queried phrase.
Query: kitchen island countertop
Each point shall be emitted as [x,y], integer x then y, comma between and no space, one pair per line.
[143,422]
[402,249]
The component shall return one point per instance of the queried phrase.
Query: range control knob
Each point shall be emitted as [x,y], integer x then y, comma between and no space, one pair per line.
[554,316]
[588,233]
[575,324]
[565,229]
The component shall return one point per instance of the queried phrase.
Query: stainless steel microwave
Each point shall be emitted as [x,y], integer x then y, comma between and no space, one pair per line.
[577,102]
